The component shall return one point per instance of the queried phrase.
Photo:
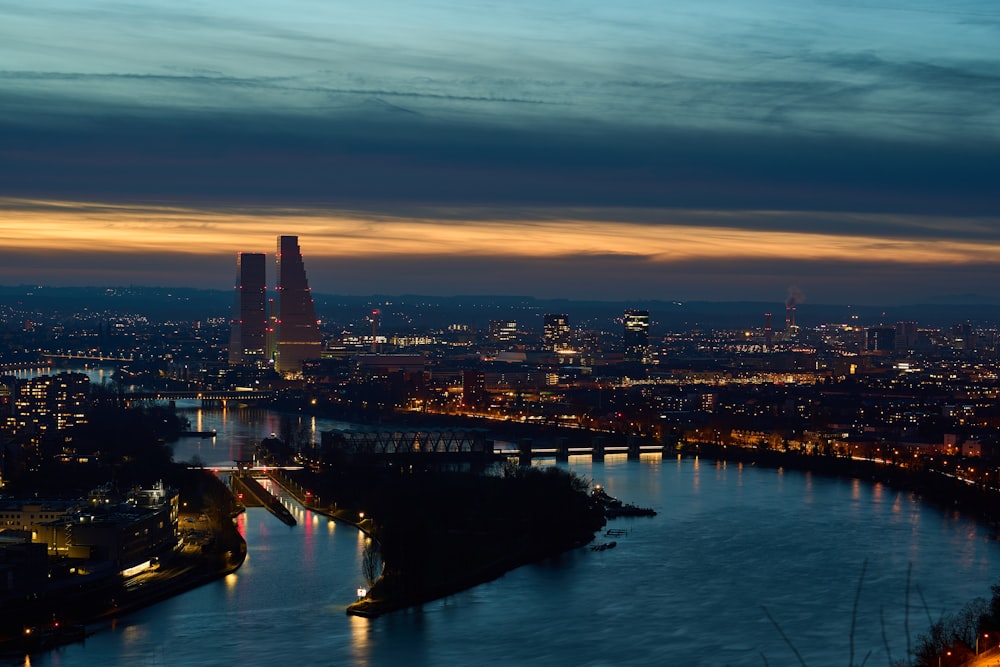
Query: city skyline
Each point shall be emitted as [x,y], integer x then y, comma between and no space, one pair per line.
[636,151]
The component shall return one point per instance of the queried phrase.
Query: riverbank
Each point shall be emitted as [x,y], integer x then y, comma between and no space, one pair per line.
[38,625]
[385,596]
[945,491]
[40,622]
[463,577]
[440,533]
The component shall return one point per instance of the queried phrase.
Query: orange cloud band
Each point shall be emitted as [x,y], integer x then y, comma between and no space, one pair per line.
[660,236]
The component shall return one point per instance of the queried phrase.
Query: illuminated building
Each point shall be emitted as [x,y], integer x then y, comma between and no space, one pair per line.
[555,332]
[503,331]
[298,336]
[51,402]
[473,389]
[248,332]
[636,334]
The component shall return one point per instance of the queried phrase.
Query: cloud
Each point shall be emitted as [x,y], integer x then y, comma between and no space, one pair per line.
[655,236]
[634,137]
[384,156]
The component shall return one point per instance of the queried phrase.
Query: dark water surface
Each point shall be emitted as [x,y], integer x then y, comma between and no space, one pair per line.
[687,587]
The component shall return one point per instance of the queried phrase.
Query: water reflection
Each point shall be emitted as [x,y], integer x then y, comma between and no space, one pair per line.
[360,639]
[726,541]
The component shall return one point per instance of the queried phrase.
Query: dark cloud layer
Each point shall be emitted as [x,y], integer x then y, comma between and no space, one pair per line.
[389,159]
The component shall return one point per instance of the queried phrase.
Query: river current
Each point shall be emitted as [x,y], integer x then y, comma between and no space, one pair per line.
[739,565]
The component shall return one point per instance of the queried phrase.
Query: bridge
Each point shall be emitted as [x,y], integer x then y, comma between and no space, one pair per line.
[472,444]
[84,357]
[25,366]
[597,449]
[206,396]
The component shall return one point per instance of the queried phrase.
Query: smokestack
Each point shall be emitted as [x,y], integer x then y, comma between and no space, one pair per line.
[794,298]
[374,330]
[767,330]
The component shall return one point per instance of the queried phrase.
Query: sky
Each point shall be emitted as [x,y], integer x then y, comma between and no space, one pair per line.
[668,149]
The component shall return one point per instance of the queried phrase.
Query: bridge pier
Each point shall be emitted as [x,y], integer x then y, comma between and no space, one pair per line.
[597,448]
[633,447]
[562,449]
[524,452]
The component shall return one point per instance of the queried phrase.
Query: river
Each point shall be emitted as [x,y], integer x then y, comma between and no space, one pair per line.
[695,585]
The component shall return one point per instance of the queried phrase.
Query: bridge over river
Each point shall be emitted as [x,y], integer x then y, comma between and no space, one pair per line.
[207,397]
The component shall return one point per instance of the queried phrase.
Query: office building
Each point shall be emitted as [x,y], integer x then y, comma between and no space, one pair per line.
[503,331]
[555,332]
[298,336]
[248,328]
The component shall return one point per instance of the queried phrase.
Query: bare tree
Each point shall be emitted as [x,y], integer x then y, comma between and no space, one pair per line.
[371,562]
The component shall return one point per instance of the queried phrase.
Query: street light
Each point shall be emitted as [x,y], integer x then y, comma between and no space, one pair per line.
[986,635]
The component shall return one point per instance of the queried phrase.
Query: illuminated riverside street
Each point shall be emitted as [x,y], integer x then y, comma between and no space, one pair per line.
[688,586]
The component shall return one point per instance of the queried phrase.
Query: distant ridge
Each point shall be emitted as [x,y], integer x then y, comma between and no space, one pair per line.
[409,311]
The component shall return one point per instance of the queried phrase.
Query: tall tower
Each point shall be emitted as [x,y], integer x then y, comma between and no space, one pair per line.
[298,335]
[248,337]
[636,334]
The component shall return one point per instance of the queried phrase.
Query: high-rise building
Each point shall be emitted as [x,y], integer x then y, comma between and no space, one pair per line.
[51,403]
[248,330]
[473,388]
[503,331]
[636,334]
[298,336]
[555,332]
[906,336]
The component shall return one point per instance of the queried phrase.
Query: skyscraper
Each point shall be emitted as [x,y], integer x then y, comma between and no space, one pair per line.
[248,338]
[636,334]
[298,336]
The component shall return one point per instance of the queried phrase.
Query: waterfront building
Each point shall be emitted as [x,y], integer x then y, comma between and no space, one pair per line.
[28,515]
[298,335]
[248,332]
[636,334]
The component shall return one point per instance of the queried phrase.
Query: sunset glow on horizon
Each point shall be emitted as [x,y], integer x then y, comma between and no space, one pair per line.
[35,227]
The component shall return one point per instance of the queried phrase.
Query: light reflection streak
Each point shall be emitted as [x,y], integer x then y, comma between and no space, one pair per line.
[360,639]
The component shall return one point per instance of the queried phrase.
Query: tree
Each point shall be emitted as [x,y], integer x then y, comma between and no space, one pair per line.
[371,562]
